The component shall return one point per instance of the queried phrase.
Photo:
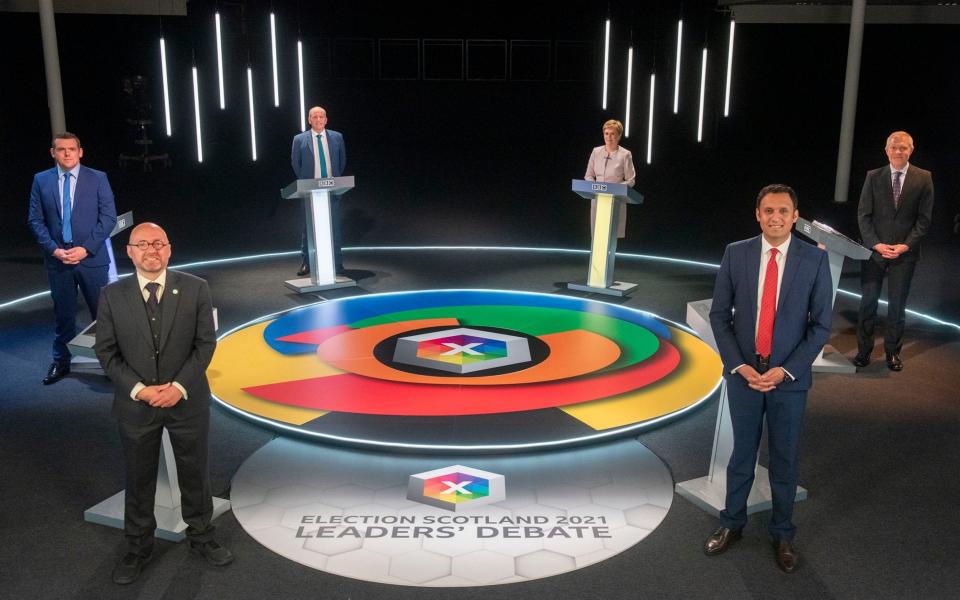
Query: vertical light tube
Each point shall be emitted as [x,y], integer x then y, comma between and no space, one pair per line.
[273,51]
[703,88]
[196,114]
[676,76]
[653,83]
[606,63]
[303,109]
[626,118]
[166,86]
[726,95]
[223,98]
[253,125]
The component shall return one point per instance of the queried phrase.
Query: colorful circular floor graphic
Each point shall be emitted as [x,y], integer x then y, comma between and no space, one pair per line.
[462,369]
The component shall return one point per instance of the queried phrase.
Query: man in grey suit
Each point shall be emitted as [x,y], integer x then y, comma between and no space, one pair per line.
[155,339]
[319,153]
[896,208]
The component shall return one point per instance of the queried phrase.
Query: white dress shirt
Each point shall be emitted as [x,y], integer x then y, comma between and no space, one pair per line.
[324,147]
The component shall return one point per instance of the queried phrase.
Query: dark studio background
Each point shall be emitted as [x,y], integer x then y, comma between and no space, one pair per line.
[475,161]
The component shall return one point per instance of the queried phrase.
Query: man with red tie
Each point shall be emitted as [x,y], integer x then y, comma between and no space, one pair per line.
[771,313]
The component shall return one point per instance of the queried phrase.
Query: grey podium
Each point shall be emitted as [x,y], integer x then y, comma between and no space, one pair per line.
[603,247]
[838,247]
[709,492]
[316,195]
[81,346]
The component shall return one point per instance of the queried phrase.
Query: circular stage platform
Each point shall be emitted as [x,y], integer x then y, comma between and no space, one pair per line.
[462,370]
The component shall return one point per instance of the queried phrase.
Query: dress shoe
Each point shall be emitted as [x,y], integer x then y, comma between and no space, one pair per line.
[861,360]
[213,552]
[129,567]
[786,555]
[303,270]
[720,540]
[56,372]
[894,363]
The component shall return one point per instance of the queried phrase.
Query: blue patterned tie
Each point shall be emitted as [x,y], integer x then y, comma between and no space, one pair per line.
[896,188]
[67,210]
[323,163]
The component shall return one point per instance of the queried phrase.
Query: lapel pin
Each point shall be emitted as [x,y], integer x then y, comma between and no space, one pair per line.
[175,291]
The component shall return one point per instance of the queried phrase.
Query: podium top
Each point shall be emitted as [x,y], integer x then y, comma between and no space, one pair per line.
[303,187]
[123,222]
[590,189]
[832,239]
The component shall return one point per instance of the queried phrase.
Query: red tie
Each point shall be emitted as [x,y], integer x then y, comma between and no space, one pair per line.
[768,307]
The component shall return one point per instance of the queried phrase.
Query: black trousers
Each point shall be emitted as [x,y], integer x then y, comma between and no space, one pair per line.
[899,274]
[141,448]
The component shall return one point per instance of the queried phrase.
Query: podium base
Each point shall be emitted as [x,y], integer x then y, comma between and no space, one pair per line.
[170,526]
[306,285]
[619,288]
[710,496]
[832,361]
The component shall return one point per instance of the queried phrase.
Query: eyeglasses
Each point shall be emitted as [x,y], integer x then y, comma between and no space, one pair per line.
[143,245]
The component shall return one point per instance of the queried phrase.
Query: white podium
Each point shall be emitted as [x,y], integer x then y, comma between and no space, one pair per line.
[709,492]
[316,195]
[838,247]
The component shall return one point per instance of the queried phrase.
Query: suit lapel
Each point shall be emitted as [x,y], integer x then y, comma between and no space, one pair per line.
[168,306]
[907,187]
[753,272]
[789,273]
[137,307]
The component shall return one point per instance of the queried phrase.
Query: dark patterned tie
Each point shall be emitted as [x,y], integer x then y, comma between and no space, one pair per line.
[896,188]
[152,301]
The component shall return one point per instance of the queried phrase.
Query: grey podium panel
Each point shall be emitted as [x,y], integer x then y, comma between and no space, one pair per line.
[709,492]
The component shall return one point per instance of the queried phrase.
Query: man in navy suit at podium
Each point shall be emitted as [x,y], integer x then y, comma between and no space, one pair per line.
[71,214]
[771,313]
[319,153]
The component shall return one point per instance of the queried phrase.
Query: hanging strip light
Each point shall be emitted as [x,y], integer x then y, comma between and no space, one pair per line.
[303,109]
[653,84]
[253,125]
[626,126]
[703,87]
[273,52]
[223,98]
[726,95]
[606,63]
[196,114]
[676,76]
[166,86]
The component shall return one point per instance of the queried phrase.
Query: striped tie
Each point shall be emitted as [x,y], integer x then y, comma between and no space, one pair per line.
[323,163]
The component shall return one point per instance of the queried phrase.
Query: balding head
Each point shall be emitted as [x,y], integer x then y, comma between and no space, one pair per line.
[151,260]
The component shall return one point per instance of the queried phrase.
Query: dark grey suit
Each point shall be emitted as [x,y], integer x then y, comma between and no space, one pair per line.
[883,223]
[129,355]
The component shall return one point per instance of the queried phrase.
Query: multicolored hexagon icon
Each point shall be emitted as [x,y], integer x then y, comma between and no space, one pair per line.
[456,488]
[462,350]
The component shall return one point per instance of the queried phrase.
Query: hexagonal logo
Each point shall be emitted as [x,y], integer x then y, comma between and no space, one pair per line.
[456,488]
[462,350]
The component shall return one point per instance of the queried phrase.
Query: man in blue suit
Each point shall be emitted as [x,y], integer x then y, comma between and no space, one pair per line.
[771,313]
[318,153]
[71,215]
